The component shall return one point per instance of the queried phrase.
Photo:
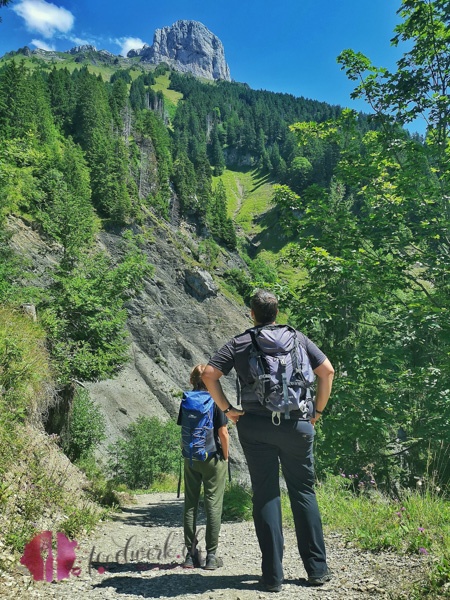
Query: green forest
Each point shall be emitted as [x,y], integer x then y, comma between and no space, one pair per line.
[362,203]
[357,228]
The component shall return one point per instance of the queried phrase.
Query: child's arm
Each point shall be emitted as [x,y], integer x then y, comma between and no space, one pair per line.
[224,440]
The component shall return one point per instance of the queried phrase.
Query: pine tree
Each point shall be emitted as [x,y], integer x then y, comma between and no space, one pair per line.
[62,98]
[69,216]
[42,115]
[16,102]
[204,187]
[216,154]
[137,94]
[92,112]
[185,183]
[220,225]
[118,103]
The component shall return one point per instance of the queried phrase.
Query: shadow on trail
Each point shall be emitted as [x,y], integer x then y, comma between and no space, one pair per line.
[179,584]
[166,514]
[111,568]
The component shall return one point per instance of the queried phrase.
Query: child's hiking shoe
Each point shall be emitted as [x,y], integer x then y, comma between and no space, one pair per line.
[213,562]
[320,580]
[191,561]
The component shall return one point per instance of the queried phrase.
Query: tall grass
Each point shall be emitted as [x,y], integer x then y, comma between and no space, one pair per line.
[416,523]
[25,372]
[35,491]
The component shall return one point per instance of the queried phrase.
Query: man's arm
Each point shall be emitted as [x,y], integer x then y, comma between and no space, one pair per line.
[224,440]
[210,378]
[325,374]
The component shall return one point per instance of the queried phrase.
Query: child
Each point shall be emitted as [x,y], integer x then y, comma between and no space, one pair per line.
[212,472]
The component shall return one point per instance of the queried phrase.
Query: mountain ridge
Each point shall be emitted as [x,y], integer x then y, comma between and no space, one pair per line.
[186,46]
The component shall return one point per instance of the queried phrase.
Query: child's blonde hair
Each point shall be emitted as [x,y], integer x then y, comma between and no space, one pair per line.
[196,377]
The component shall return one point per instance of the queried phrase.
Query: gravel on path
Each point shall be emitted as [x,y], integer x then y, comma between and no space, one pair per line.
[138,554]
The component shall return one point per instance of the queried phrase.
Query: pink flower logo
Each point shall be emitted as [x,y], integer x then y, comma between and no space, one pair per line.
[38,557]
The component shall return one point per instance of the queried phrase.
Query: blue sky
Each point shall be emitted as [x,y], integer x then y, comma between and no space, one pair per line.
[282,46]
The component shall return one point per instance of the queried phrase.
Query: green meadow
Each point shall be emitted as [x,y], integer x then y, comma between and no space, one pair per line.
[249,196]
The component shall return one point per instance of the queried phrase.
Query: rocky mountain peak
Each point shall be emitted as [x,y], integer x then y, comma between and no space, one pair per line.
[84,48]
[189,47]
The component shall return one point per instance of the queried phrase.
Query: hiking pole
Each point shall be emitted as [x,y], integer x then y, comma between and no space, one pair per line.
[179,482]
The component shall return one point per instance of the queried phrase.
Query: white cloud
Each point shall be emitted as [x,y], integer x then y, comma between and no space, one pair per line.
[44,17]
[42,45]
[129,43]
[80,41]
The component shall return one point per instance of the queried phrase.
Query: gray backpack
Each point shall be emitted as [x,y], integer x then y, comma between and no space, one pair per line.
[281,372]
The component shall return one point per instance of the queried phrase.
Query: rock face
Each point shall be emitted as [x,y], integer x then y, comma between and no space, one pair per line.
[84,48]
[134,53]
[178,320]
[189,47]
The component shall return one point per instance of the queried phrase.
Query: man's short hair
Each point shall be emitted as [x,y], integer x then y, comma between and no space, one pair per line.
[265,306]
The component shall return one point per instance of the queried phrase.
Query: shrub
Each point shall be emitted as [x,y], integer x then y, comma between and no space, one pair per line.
[105,491]
[86,427]
[85,316]
[150,448]
[25,372]
[240,281]
[209,252]
[237,503]
[161,69]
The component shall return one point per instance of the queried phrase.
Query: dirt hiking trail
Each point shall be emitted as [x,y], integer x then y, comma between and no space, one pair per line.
[139,553]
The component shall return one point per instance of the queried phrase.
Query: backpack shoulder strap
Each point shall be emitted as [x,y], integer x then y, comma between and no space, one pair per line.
[253,332]
[238,390]
[295,354]
[263,366]
[256,348]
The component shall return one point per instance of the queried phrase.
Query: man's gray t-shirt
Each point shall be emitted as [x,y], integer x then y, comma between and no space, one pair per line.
[235,354]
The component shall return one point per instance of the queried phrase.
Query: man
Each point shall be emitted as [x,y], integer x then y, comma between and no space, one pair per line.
[267,443]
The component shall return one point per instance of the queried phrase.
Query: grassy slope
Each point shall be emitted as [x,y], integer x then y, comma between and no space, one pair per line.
[249,205]
[162,84]
[171,97]
[66,61]
[39,488]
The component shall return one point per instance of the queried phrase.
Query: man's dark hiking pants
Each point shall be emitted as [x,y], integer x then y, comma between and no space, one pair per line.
[290,444]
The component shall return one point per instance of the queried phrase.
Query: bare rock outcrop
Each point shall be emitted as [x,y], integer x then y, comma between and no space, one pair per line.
[178,320]
[189,47]
[83,48]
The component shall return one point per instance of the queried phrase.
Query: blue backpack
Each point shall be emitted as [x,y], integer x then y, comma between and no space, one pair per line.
[197,428]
